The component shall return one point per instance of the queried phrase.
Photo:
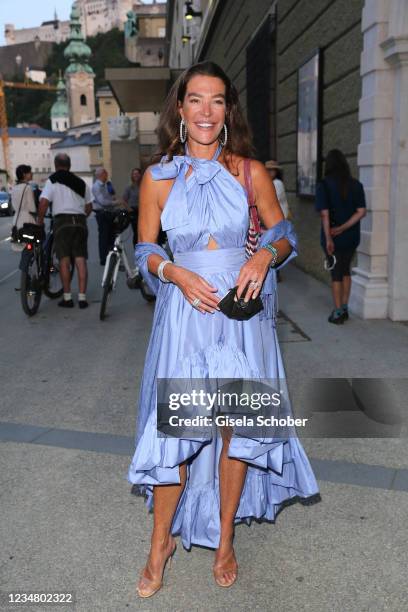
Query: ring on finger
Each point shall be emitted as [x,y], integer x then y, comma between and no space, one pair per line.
[195,303]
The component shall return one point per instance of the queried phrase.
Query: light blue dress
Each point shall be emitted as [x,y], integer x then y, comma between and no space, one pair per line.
[185,343]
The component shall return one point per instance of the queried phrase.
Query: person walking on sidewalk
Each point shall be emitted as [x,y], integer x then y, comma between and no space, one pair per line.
[104,206]
[275,172]
[131,199]
[71,203]
[340,199]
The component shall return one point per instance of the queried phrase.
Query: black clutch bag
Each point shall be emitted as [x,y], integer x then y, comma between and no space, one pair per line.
[239,310]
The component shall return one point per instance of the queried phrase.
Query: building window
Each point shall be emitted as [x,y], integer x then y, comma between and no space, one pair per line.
[259,55]
[83,100]
[56,123]
[65,124]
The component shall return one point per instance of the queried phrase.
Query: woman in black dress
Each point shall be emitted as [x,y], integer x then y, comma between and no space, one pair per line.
[341,202]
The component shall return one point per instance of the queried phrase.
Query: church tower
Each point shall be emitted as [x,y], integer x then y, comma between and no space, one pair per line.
[79,76]
[59,110]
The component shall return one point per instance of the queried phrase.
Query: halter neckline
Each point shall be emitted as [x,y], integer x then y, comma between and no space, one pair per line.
[202,159]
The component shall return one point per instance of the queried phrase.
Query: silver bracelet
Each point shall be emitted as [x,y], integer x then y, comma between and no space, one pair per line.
[160,270]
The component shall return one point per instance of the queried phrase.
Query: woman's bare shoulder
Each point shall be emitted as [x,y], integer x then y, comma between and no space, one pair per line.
[236,165]
[152,189]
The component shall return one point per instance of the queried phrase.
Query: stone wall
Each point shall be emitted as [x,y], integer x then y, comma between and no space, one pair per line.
[301,27]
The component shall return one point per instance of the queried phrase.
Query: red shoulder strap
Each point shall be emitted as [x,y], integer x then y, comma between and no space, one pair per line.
[253,211]
[248,181]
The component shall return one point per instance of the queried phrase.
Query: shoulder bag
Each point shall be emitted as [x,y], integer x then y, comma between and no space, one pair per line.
[254,230]
[14,230]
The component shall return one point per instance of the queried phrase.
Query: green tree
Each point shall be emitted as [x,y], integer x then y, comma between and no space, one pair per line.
[35,106]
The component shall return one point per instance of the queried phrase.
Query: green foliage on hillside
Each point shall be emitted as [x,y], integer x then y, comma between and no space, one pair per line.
[34,106]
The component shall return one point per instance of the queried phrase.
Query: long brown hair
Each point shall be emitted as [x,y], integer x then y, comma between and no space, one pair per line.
[337,167]
[239,140]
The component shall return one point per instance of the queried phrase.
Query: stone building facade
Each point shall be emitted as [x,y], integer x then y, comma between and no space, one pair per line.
[30,145]
[363,49]
[96,16]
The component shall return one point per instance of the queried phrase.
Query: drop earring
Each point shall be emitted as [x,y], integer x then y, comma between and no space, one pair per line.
[183,131]
[224,142]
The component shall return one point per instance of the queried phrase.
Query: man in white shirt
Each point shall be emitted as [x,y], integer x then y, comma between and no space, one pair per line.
[71,204]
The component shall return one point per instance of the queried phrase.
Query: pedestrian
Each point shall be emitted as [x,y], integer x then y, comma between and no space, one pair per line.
[131,199]
[23,202]
[276,174]
[341,202]
[200,487]
[71,202]
[104,206]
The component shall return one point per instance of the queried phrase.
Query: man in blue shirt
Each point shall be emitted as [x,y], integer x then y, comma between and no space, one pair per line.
[104,205]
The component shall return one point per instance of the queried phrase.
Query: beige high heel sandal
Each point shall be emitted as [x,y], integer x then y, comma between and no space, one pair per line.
[147,586]
[218,575]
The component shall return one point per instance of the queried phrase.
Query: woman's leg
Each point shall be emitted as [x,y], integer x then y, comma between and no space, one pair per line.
[337,287]
[346,287]
[232,473]
[346,284]
[165,500]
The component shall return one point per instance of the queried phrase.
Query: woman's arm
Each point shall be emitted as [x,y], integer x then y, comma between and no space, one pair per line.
[324,214]
[148,226]
[355,218]
[268,206]
[271,215]
[151,198]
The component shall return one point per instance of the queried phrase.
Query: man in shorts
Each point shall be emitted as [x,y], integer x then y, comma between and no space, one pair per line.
[71,203]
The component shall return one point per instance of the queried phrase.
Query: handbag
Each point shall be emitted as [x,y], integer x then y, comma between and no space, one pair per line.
[254,229]
[239,310]
[31,232]
[14,229]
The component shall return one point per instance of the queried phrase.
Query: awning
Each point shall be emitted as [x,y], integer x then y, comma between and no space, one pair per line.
[140,89]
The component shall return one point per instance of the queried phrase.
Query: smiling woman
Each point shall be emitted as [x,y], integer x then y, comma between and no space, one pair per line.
[219,100]
[200,487]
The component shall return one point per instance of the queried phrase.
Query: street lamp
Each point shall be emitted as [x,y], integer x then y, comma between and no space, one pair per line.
[185,38]
[190,12]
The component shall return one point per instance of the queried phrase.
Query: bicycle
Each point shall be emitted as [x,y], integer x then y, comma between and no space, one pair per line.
[39,268]
[117,257]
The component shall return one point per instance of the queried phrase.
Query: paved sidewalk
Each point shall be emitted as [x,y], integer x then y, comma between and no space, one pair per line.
[314,348]
[69,522]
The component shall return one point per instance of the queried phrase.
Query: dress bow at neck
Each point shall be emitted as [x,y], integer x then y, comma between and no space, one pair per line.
[175,212]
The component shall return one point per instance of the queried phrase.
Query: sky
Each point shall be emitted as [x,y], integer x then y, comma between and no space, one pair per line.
[31,13]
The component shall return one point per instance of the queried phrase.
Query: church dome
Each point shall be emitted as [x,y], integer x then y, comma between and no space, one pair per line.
[60,106]
[77,52]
